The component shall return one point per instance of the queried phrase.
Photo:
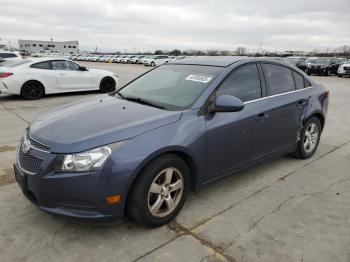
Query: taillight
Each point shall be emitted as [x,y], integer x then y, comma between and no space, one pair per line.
[3,75]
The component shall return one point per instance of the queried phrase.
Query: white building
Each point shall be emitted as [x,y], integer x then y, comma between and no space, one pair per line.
[38,46]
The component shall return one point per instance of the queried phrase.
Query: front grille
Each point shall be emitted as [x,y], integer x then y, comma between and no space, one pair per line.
[28,162]
[346,67]
[36,144]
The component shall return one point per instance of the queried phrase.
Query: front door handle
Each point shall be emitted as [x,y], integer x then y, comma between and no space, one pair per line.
[261,116]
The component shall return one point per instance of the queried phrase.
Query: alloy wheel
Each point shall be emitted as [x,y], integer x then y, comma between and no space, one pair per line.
[165,192]
[310,137]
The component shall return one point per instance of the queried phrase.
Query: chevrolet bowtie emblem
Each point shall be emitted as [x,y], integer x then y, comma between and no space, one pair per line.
[26,146]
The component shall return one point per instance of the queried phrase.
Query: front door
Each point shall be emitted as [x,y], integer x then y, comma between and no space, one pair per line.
[69,76]
[235,139]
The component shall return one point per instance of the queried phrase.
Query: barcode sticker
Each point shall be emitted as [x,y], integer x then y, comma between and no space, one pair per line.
[199,78]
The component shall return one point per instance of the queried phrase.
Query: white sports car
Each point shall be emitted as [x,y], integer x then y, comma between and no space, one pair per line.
[33,78]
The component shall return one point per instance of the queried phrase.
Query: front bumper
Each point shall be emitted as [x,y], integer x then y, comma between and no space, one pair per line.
[317,71]
[343,71]
[75,195]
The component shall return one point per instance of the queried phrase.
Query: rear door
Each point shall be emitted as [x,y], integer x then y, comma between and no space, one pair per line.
[284,105]
[70,77]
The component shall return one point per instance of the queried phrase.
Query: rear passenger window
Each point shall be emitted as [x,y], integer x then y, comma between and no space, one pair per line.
[299,80]
[279,78]
[42,65]
[243,83]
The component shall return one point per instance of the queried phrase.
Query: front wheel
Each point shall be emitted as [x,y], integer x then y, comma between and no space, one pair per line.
[107,85]
[153,64]
[159,191]
[309,138]
[340,75]
[307,71]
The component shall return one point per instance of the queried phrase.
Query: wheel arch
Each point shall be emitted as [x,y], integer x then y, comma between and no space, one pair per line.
[177,151]
[33,80]
[106,77]
[320,117]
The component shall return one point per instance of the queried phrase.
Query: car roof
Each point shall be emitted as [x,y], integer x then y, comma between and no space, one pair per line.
[222,61]
[43,59]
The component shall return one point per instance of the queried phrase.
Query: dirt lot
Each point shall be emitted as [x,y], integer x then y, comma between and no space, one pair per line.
[282,210]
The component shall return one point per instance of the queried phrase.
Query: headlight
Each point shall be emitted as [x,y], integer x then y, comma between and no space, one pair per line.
[89,160]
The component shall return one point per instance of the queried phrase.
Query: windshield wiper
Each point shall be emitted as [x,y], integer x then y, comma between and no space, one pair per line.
[140,101]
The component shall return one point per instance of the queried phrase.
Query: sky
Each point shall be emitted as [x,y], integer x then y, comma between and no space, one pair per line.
[148,25]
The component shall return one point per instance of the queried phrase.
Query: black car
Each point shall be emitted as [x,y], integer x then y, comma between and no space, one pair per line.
[297,61]
[323,66]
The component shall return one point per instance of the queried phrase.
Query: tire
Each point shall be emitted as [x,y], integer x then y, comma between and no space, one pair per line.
[307,71]
[107,85]
[328,72]
[32,90]
[340,75]
[153,64]
[151,209]
[306,150]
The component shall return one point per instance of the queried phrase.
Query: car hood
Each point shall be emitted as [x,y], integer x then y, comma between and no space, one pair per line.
[96,122]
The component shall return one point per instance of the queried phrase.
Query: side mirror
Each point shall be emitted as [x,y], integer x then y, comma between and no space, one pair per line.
[83,68]
[227,103]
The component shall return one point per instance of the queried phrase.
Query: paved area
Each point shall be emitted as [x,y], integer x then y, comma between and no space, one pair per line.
[281,210]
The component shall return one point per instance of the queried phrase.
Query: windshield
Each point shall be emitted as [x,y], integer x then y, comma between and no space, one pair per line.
[173,87]
[310,60]
[322,60]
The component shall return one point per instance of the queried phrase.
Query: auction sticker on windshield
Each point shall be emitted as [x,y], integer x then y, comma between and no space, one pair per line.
[199,78]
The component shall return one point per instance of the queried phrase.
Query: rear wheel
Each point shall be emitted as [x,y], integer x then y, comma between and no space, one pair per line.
[309,138]
[340,75]
[107,85]
[328,72]
[307,71]
[32,90]
[159,192]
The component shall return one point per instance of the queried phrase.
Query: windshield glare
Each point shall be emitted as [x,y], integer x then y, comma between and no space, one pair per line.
[174,87]
[323,60]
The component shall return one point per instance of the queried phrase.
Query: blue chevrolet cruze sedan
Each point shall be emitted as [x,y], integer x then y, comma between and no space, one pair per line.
[140,150]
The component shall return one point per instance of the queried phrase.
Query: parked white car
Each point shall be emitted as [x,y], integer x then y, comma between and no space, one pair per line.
[156,60]
[344,69]
[34,78]
[136,59]
[119,59]
[11,55]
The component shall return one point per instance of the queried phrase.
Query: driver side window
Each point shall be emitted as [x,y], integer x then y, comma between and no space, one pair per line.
[243,83]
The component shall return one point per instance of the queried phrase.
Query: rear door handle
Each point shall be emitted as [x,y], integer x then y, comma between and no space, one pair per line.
[261,116]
